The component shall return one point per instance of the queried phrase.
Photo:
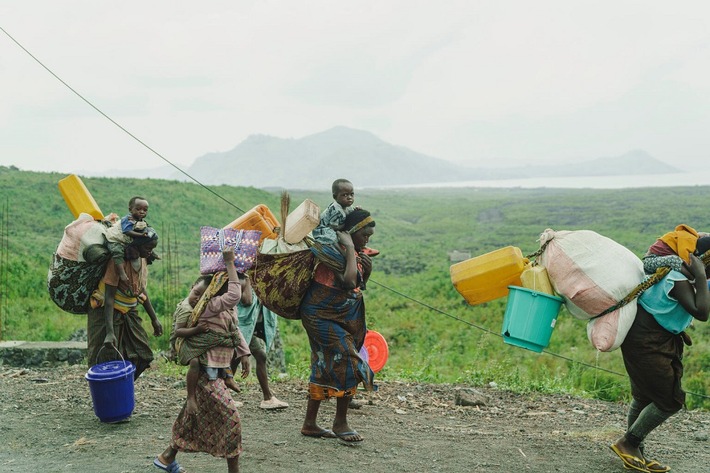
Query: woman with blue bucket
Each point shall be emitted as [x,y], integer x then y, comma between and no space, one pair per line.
[113,320]
[653,351]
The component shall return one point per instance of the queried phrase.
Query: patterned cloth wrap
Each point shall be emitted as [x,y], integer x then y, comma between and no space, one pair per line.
[70,283]
[214,240]
[71,279]
[280,281]
[216,426]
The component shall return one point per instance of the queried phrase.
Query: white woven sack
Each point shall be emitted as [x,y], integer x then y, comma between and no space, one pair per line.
[608,331]
[592,273]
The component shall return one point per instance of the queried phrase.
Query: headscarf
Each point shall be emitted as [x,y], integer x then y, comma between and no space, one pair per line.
[330,255]
[682,240]
[357,220]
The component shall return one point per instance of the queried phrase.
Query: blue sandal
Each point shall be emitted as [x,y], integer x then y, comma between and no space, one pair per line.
[174,467]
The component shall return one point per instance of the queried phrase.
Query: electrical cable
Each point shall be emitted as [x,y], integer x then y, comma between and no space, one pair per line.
[118,124]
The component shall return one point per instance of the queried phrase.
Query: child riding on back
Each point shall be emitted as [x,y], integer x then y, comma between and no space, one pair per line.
[210,334]
[123,233]
[333,217]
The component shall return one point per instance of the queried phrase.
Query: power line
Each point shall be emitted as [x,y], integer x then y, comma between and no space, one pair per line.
[118,124]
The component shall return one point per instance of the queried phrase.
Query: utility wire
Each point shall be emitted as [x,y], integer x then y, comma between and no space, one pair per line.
[556,355]
[236,207]
[117,124]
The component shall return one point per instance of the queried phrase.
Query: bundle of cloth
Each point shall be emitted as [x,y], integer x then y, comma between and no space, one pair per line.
[78,264]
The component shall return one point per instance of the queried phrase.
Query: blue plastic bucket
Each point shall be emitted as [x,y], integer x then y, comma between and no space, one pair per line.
[530,317]
[111,386]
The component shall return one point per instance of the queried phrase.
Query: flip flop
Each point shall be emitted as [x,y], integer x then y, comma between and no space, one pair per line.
[631,462]
[341,436]
[654,466]
[174,467]
[323,434]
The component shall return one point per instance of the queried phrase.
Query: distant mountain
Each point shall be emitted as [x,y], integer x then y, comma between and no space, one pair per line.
[632,163]
[314,161]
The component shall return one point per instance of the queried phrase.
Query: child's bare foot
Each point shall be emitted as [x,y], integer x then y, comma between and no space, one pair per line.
[191,407]
[231,384]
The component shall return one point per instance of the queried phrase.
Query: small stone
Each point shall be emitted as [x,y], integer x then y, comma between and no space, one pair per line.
[466,398]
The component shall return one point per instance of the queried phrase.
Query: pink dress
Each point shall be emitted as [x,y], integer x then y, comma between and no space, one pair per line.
[220,315]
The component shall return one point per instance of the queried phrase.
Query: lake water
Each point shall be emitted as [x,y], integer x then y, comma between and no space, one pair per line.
[595,182]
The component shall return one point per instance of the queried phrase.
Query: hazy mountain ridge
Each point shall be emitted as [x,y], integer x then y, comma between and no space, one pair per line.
[314,161]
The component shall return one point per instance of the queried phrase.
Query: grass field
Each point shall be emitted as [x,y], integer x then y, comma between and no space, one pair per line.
[433,334]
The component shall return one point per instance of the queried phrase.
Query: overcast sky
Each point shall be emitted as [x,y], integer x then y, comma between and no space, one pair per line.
[478,82]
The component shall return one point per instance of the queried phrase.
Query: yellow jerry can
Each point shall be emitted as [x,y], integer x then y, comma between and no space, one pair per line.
[78,198]
[487,277]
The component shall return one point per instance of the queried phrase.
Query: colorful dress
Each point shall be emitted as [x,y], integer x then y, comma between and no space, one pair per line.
[216,427]
[131,337]
[334,319]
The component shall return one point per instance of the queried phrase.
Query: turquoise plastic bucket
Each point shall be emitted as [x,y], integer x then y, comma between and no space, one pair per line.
[111,386]
[530,317]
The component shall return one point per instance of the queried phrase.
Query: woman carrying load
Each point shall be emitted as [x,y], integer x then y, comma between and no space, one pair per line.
[653,352]
[333,314]
[113,320]
[209,421]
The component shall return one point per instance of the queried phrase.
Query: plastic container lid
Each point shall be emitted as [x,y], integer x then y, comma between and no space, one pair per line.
[377,350]
[110,370]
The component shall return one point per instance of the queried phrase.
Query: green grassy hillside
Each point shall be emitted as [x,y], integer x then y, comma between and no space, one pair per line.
[433,334]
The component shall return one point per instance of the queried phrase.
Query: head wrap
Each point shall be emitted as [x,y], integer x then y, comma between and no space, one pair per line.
[357,220]
[361,224]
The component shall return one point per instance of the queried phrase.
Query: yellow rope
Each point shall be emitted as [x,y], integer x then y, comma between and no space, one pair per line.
[635,292]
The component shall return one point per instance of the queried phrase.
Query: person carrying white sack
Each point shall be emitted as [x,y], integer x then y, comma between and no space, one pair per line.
[653,353]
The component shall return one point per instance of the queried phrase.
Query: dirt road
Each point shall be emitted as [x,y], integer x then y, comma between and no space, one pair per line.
[47,424]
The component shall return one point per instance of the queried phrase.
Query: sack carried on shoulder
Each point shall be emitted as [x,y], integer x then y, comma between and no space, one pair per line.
[281,280]
[214,240]
[78,264]
[70,283]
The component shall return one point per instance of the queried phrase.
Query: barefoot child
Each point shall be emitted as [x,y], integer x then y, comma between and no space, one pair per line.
[122,233]
[208,340]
